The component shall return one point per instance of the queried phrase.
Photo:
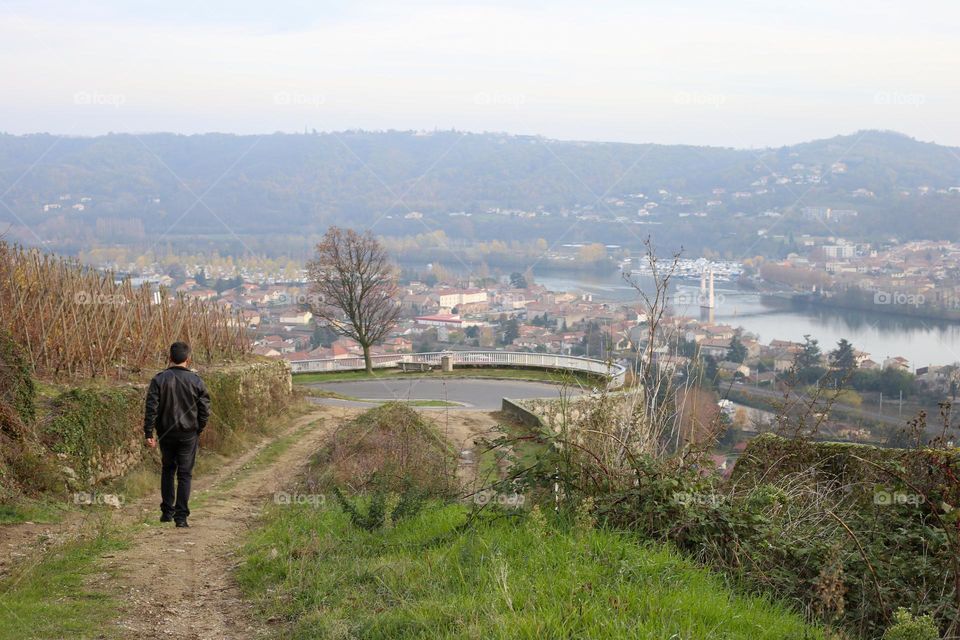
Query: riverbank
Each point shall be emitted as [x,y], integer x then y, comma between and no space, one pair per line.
[890,304]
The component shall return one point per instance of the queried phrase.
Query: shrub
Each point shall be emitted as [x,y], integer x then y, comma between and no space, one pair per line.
[909,627]
[382,509]
[391,448]
[17,411]
[242,397]
[821,524]
[17,389]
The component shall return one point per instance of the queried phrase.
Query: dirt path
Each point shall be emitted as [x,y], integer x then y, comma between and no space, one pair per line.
[176,583]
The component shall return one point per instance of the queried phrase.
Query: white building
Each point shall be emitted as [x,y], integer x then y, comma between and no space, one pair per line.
[302,318]
[455,298]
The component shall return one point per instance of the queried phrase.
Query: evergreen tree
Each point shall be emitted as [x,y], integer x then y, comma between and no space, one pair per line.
[737,351]
[323,336]
[518,280]
[843,360]
[511,331]
[807,361]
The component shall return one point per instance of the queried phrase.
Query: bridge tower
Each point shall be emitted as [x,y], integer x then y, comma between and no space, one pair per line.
[707,300]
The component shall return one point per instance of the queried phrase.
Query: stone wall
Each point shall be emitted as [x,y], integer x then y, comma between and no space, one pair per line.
[87,435]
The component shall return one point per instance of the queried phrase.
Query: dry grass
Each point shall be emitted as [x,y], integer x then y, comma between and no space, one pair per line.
[73,321]
[388,448]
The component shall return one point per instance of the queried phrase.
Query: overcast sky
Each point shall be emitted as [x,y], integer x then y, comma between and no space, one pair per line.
[739,73]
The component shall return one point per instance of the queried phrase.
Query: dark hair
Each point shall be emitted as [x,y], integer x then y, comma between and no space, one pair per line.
[179,352]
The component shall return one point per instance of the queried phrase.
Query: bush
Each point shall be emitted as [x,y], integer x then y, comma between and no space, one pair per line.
[908,627]
[391,448]
[17,389]
[851,532]
[17,411]
[382,509]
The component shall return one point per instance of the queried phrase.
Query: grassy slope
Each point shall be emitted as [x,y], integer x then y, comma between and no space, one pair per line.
[46,598]
[49,599]
[504,579]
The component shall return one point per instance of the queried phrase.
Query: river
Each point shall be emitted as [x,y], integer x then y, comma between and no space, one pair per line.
[922,342]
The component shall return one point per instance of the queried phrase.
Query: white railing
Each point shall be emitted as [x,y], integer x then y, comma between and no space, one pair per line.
[614,372]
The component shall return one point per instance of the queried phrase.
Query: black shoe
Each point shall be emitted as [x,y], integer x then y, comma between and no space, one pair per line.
[166,518]
[182,524]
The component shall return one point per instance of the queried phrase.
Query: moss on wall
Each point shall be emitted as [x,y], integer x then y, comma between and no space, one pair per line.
[242,398]
[84,435]
[95,430]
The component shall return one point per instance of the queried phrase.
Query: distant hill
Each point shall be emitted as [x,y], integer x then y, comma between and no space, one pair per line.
[127,187]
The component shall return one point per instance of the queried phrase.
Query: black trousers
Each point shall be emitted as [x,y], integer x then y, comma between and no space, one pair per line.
[178,452]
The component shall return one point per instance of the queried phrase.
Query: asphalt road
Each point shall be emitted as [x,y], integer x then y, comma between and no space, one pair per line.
[471,393]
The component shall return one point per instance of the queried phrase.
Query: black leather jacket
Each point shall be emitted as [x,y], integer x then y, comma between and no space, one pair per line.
[177,403]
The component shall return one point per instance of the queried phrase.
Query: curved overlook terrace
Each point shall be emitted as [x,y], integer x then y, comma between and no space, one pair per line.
[560,367]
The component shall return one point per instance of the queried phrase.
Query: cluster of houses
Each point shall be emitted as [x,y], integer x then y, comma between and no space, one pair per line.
[913,274]
[762,362]
[464,318]
[474,317]
[456,317]
[66,202]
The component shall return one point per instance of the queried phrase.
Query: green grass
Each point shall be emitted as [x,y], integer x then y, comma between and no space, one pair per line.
[538,375]
[46,511]
[49,599]
[504,578]
[429,403]
[316,392]
[327,393]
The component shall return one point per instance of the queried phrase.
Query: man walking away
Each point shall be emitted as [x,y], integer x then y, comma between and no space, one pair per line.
[177,408]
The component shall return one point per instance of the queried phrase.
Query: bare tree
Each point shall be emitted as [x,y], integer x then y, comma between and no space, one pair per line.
[355,286]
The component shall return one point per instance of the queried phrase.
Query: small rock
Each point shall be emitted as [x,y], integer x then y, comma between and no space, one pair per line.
[112,500]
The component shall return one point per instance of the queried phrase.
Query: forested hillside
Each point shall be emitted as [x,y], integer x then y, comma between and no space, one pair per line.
[70,192]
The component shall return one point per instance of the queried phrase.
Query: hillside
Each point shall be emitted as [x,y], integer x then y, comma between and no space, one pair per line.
[74,192]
